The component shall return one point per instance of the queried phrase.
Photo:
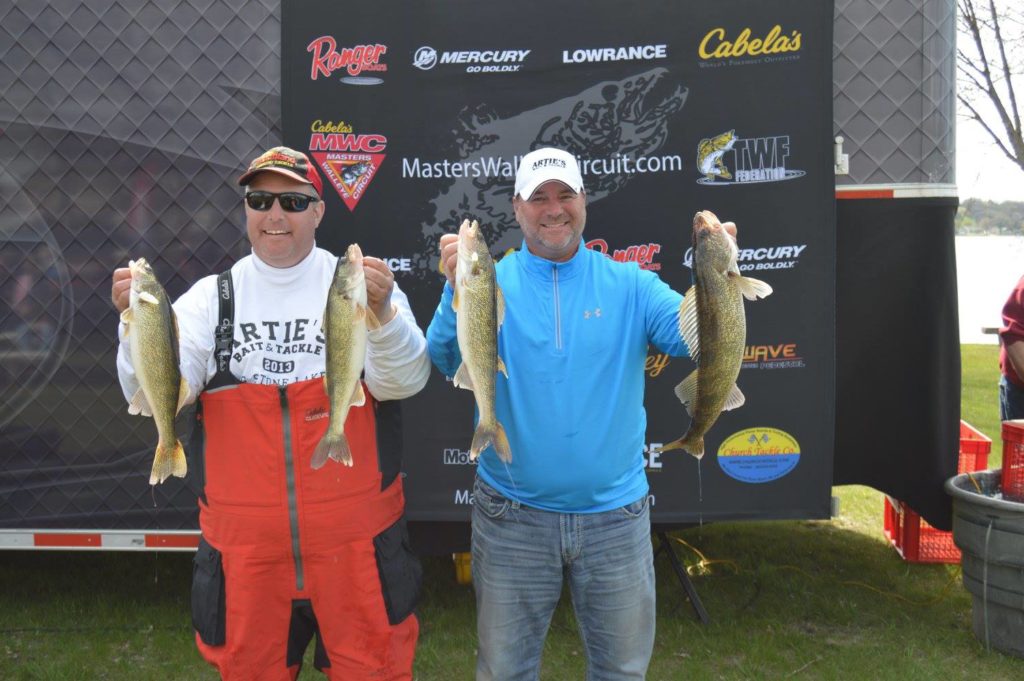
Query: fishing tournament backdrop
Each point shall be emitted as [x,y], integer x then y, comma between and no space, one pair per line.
[123,133]
[419,123]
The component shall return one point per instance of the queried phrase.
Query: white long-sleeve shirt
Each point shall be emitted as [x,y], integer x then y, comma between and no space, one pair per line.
[278,336]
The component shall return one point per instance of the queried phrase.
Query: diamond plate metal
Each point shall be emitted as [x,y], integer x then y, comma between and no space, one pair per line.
[124,125]
[894,71]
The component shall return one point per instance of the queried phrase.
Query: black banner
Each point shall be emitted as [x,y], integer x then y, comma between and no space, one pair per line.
[417,117]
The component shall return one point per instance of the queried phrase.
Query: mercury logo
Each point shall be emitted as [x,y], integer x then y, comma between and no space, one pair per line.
[479,61]
[425,58]
[765,258]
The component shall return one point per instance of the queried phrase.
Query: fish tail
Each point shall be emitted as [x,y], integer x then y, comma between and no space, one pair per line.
[332,447]
[168,461]
[490,434]
[696,447]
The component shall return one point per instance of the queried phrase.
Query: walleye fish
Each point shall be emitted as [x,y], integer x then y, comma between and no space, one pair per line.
[712,322]
[480,309]
[346,320]
[152,332]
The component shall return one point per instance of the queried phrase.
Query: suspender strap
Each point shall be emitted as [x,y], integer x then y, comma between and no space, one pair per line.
[224,333]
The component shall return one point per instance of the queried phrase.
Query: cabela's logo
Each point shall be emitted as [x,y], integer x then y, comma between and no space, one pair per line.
[350,161]
[642,254]
[716,44]
[355,60]
[729,159]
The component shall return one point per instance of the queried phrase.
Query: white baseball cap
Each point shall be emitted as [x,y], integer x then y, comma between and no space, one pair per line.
[543,165]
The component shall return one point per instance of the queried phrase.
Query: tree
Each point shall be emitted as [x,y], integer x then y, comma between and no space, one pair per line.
[991,66]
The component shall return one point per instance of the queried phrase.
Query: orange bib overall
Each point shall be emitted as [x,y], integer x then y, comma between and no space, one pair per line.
[289,552]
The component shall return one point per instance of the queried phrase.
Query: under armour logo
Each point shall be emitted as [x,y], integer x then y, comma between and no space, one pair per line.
[587,314]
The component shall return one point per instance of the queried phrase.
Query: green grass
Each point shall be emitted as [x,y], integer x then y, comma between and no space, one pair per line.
[793,599]
[979,394]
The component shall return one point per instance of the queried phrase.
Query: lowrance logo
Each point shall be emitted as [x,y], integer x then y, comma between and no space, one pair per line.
[602,54]
[398,264]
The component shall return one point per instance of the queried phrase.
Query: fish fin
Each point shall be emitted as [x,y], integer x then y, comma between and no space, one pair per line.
[184,395]
[689,329]
[462,379]
[499,300]
[126,317]
[687,391]
[168,461]
[331,448]
[752,289]
[501,367]
[696,448]
[490,434]
[139,404]
[147,297]
[175,343]
[371,319]
[358,396]
[735,398]
[455,299]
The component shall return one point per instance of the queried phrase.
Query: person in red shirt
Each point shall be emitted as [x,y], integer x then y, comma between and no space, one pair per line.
[1011,356]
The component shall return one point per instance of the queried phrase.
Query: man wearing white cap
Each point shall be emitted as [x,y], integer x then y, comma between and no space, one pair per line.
[573,501]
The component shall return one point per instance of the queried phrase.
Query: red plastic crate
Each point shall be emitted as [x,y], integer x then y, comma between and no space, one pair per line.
[974,449]
[1013,460]
[913,538]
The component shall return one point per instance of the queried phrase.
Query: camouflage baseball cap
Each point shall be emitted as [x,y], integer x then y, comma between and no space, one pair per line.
[287,162]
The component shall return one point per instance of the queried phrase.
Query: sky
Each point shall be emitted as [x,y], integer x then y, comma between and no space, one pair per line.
[982,170]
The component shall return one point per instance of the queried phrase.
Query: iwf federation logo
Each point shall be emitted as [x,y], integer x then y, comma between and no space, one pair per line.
[349,160]
[727,159]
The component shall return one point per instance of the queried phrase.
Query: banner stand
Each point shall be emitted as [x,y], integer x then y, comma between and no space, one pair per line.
[682,576]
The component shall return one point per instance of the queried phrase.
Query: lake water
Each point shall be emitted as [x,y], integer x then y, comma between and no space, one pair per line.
[987,269]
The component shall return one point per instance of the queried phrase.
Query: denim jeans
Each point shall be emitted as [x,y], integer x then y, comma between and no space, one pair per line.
[520,555]
[1011,400]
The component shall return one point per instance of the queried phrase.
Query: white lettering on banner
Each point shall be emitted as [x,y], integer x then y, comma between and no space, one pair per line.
[615,54]
[770,253]
[463,497]
[398,264]
[457,457]
[484,57]
[653,458]
[784,257]
[498,166]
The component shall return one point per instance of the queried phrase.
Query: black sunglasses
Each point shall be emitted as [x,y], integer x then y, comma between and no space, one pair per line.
[291,202]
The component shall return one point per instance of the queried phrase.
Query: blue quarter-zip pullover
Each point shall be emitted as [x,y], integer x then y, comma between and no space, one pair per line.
[574,341]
